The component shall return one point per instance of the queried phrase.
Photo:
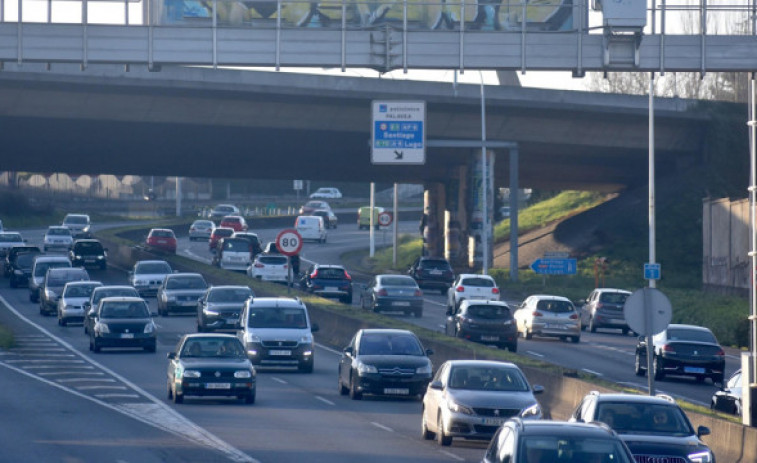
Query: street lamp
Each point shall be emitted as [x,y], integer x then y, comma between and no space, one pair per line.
[484,185]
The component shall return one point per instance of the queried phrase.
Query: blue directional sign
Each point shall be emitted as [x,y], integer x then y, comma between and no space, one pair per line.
[398,132]
[651,271]
[549,266]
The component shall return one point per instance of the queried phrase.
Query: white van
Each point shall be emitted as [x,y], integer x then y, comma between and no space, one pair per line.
[311,227]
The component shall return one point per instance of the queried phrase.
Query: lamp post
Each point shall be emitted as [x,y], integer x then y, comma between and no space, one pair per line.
[484,186]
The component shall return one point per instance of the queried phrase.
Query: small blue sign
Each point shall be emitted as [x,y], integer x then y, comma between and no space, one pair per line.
[651,271]
[554,266]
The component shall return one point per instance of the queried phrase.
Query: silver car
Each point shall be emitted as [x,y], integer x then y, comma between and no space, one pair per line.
[220,306]
[201,230]
[545,315]
[8,240]
[147,276]
[79,224]
[39,269]
[73,301]
[58,238]
[471,399]
[180,292]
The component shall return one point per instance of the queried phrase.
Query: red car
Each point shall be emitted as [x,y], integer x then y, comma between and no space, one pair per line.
[161,240]
[218,233]
[235,222]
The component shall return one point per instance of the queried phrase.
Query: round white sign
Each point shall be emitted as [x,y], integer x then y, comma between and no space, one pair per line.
[289,242]
[385,219]
[643,300]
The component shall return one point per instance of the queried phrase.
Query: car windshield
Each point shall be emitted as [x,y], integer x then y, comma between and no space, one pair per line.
[229,295]
[272,260]
[213,347]
[478,282]
[277,317]
[223,232]
[682,334]
[331,273]
[79,290]
[489,312]
[390,344]
[202,224]
[41,268]
[556,449]
[124,309]
[614,298]
[398,281]
[435,265]
[115,292]
[25,260]
[60,279]
[153,268]
[186,282]
[89,247]
[75,219]
[59,232]
[162,234]
[485,378]
[644,418]
[236,245]
[11,238]
[554,306]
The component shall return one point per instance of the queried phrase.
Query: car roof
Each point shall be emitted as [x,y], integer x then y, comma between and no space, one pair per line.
[106,287]
[565,429]
[87,240]
[48,258]
[57,227]
[277,301]
[161,229]
[634,398]
[157,261]
[474,275]
[185,274]
[229,287]
[209,335]
[77,215]
[235,217]
[122,299]
[385,331]
[480,363]
[340,267]
[550,297]
[612,290]
[84,283]
[688,327]
[468,302]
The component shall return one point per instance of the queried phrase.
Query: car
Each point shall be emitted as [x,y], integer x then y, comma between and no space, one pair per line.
[388,362]
[311,228]
[180,292]
[271,248]
[9,240]
[547,441]
[147,275]
[161,240]
[220,306]
[311,206]
[487,322]
[99,293]
[18,264]
[328,281]
[210,365]
[123,322]
[79,224]
[330,220]
[728,398]
[548,316]
[235,222]
[201,230]
[269,267]
[278,332]
[471,399]
[604,309]
[39,269]
[432,272]
[472,286]
[57,238]
[10,255]
[655,428]
[233,254]
[217,234]
[223,210]
[52,287]
[683,350]
[326,193]
[253,239]
[73,299]
[88,253]
[364,217]
[397,293]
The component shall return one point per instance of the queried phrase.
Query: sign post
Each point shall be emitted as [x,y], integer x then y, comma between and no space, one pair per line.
[398,132]
[289,243]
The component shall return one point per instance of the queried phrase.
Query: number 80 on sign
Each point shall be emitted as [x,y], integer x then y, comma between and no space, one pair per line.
[289,242]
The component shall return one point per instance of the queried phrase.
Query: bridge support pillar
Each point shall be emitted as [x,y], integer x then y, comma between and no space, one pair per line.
[476,214]
[456,217]
[433,219]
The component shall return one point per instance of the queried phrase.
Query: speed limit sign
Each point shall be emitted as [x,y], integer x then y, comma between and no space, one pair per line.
[385,219]
[289,242]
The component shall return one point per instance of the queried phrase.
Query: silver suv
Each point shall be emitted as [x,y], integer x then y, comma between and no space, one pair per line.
[604,309]
[276,331]
[39,270]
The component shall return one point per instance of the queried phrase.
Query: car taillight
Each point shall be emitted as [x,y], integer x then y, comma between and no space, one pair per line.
[537,314]
[574,316]
[418,293]
[382,292]
[720,353]
[314,274]
[460,289]
[668,348]
[259,265]
[495,290]
[347,276]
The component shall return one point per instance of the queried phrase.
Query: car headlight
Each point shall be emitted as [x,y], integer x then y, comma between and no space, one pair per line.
[18,272]
[101,257]
[243,374]
[171,298]
[77,257]
[306,339]
[210,312]
[534,411]
[424,370]
[704,456]
[459,408]
[364,368]
[149,328]
[101,328]
[140,282]
[191,374]
[49,293]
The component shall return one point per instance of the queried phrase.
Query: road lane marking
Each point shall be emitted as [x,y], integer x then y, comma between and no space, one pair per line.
[534,353]
[58,373]
[89,380]
[452,455]
[100,386]
[324,400]
[381,426]
[119,396]
[596,373]
[278,380]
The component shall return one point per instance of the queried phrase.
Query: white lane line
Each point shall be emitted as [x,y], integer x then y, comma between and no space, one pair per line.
[191,254]
[50,367]
[452,455]
[88,388]
[381,426]
[536,354]
[61,361]
[113,396]
[89,380]
[429,301]
[326,401]
[278,380]
[59,373]
[595,373]
[329,349]
[41,354]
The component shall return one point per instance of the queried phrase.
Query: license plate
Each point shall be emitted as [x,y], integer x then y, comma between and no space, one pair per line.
[231,321]
[89,261]
[553,326]
[279,352]
[127,335]
[693,370]
[435,272]
[218,386]
[493,421]
[400,304]
[490,338]
[396,391]
[330,289]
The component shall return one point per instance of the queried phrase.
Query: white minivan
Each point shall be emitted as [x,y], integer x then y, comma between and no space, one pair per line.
[311,227]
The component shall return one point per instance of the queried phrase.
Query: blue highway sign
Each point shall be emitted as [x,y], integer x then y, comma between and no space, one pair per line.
[548,266]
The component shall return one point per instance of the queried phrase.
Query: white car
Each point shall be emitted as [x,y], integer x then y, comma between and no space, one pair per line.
[222,210]
[546,315]
[270,267]
[148,275]
[234,254]
[311,228]
[73,299]
[326,193]
[8,240]
[58,238]
[79,224]
[472,286]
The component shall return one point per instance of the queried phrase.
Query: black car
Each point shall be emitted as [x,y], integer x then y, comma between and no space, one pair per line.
[328,281]
[100,293]
[88,253]
[123,322]
[19,263]
[728,398]
[10,255]
[544,441]
[52,287]
[220,306]
[654,428]
[180,292]
[389,362]
[210,365]
[487,322]
[684,350]
[432,272]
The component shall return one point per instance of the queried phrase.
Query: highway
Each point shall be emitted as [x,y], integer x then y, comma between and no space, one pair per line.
[82,400]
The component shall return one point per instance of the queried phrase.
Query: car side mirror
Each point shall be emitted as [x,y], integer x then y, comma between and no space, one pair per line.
[314,327]
[436,385]
[538,389]
[703,431]
[171,355]
[347,350]
[429,351]
[449,312]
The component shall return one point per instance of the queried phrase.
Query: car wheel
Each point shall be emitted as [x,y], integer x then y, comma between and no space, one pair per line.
[442,438]
[425,433]
[306,367]
[638,368]
[512,347]
[151,348]
[355,394]
[659,373]
[343,390]
[104,266]
[249,399]
[527,333]
[169,391]
[717,379]
[575,339]
[346,299]
[700,378]
[592,326]
[14,284]
[86,331]
[62,322]
[95,346]
[178,398]
[625,331]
